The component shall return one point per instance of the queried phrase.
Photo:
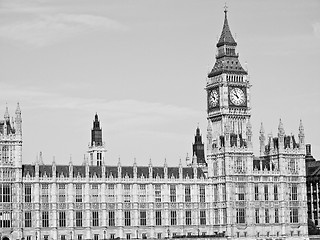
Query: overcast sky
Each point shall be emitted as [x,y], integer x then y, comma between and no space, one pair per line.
[142,66]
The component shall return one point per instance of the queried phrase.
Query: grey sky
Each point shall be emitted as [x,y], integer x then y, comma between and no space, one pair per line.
[142,66]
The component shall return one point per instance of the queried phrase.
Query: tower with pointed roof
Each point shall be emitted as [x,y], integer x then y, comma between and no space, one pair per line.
[228,89]
[198,149]
[97,148]
[230,153]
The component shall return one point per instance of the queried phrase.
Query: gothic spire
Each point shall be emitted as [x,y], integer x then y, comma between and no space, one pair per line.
[6,114]
[227,59]
[226,37]
[96,132]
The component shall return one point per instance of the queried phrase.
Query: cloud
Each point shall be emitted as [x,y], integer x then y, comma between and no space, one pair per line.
[316,29]
[126,113]
[48,29]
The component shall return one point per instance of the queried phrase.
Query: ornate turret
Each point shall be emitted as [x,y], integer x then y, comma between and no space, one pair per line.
[96,146]
[198,148]
[96,132]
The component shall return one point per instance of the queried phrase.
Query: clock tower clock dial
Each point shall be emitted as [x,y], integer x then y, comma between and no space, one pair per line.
[213,98]
[237,96]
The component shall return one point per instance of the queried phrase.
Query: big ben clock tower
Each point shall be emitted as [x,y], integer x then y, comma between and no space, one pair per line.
[229,153]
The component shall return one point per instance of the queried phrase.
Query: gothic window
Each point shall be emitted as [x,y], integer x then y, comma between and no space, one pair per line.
[62,193]
[45,219]
[5,219]
[224,195]
[292,165]
[78,218]
[99,158]
[5,154]
[62,219]
[158,218]
[202,193]
[111,218]
[27,193]
[142,193]
[143,218]
[157,192]
[78,193]
[240,188]
[27,219]
[44,193]
[202,217]
[224,216]
[240,217]
[126,193]
[275,192]
[266,193]
[187,193]
[111,194]
[223,170]
[239,165]
[188,217]
[5,192]
[216,216]
[94,193]
[215,193]
[257,215]
[266,215]
[215,168]
[173,215]
[173,196]
[256,192]
[95,218]
[294,215]
[127,218]
[276,215]
[294,192]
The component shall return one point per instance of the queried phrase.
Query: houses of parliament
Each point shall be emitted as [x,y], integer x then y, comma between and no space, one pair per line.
[227,193]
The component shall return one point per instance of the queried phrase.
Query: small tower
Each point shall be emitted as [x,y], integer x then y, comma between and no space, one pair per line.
[198,148]
[301,136]
[18,121]
[281,135]
[96,147]
[249,134]
[6,115]
[262,139]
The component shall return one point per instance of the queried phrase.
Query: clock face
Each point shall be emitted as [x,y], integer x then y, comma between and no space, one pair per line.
[237,96]
[213,98]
